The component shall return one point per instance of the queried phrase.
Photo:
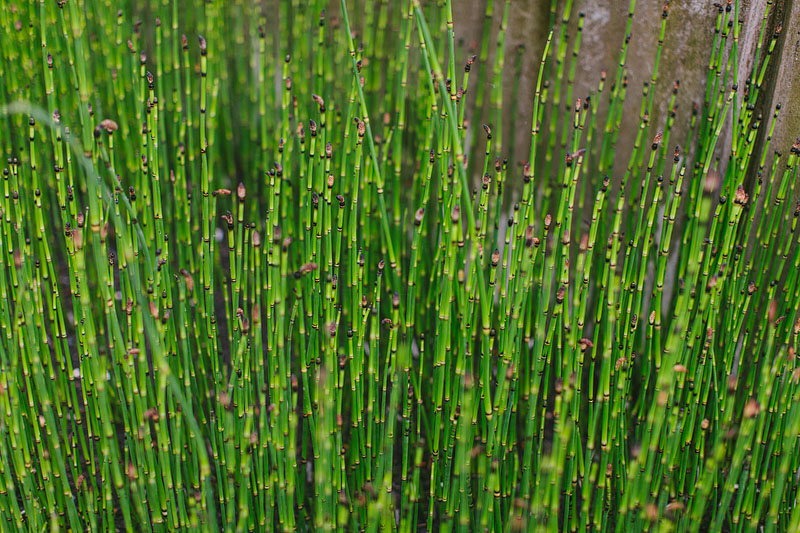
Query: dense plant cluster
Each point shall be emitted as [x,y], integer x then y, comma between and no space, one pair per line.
[274,268]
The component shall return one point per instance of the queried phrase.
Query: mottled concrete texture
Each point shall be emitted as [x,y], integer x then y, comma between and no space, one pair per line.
[785,83]
[690,32]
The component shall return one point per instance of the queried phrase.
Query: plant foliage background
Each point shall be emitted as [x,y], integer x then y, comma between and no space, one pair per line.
[307,265]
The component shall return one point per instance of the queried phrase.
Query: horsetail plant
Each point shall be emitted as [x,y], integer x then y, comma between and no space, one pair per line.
[276,268]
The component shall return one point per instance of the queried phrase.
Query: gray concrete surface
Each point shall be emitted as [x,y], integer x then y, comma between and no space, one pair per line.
[690,32]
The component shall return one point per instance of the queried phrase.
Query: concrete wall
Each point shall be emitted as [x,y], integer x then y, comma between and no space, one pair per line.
[690,33]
